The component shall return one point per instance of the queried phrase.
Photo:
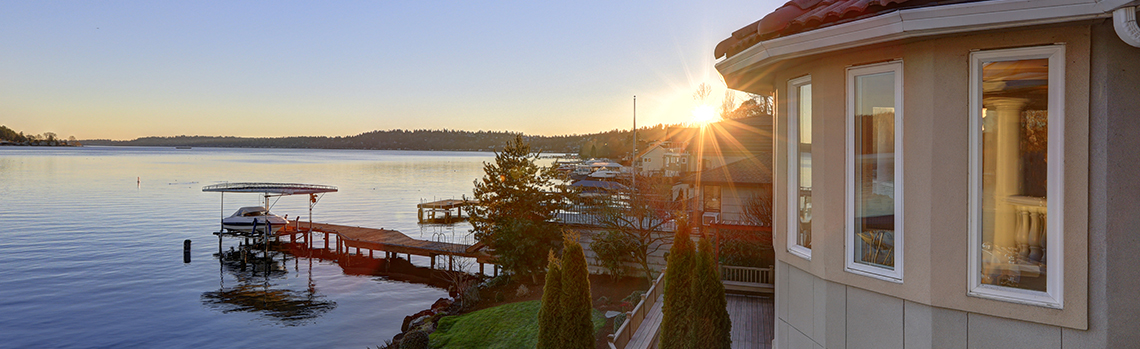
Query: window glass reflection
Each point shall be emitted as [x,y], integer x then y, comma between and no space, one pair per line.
[1014,152]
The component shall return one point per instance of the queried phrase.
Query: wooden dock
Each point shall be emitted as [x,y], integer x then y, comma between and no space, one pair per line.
[443,211]
[385,240]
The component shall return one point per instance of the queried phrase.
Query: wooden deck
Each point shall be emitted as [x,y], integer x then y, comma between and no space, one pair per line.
[385,240]
[646,335]
[753,319]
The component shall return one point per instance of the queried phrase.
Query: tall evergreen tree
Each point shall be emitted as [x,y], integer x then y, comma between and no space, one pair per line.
[676,323]
[550,315]
[578,330]
[517,199]
[711,325]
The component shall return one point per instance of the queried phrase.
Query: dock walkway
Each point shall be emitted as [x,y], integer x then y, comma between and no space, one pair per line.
[384,240]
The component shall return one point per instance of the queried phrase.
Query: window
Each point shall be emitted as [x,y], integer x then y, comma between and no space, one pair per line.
[1016,174]
[711,195]
[799,167]
[874,170]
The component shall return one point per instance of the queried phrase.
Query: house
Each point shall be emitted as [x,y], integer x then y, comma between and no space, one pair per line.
[665,158]
[732,193]
[951,173]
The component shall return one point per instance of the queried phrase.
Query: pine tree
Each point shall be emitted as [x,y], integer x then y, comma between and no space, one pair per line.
[711,325]
[676,323]
[578,329]
[517,199]
[550,315]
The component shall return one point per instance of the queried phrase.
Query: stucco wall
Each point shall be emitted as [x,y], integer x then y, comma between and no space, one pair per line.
[936,213]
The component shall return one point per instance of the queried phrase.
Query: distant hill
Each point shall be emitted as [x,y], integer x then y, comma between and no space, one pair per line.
[390,139]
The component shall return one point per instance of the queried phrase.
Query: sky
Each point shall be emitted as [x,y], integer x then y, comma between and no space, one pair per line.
[123,70]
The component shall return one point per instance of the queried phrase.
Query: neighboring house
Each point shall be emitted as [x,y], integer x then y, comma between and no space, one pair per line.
[724,194]
[664,158]
[992,148]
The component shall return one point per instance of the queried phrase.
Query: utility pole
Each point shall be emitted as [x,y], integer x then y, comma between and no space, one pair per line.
[633,162]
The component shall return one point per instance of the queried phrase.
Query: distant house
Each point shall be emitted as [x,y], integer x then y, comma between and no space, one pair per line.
[664,158]
[725,194]
[951,173]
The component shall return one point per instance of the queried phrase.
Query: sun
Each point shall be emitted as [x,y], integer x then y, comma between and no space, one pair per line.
[704,114]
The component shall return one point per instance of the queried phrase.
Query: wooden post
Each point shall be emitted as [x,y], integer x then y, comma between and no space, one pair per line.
[433,262]
[370,253]
[449,263]
[326,240]
[481,273]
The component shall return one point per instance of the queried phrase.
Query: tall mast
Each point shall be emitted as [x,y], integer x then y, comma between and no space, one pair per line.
[634,157]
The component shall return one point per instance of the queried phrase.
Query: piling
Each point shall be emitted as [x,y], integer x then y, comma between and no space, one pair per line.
[186,251]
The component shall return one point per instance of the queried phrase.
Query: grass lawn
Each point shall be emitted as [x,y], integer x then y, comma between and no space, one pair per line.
[513,325]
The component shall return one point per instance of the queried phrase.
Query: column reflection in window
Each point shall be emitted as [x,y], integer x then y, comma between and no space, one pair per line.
[1015,100]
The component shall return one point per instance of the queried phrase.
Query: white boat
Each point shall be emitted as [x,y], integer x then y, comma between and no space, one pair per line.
[604,173]
[246,218]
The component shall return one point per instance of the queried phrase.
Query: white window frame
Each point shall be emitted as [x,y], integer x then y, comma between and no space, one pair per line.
[895,275]
[1053,297]
[794,167]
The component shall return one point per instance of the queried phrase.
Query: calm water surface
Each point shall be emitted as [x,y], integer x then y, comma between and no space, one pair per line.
[91,248]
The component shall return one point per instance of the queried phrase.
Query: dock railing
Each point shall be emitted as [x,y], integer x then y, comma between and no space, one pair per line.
[620,338]
[747,279]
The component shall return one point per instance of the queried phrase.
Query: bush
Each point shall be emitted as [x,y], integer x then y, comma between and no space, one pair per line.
[676,323]
[618,321]
[613,249]
[711,325]
[550,315]
[469,299]
[414,340]
[576,306]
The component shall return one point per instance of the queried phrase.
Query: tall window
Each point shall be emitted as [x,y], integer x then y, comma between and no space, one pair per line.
[1016,184]
[874,170]
[799,167]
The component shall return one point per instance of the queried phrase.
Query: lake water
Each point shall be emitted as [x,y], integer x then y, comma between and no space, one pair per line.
[91,245]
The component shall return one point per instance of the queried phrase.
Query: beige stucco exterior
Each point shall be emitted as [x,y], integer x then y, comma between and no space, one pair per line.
[820,304]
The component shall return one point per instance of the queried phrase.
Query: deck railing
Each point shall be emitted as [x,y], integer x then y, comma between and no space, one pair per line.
[620,338]
[747,279]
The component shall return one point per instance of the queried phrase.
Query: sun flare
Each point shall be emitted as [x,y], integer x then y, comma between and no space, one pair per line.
[703,114]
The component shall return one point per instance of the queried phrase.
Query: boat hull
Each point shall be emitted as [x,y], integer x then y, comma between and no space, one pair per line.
[246,224]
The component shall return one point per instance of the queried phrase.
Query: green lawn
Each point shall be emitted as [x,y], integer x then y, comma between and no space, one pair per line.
[513,325]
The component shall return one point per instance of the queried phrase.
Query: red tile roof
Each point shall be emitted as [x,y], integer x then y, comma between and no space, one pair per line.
[799,16]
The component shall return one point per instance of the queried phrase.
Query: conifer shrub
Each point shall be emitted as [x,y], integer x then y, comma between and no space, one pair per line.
[676,323]
[711,324]
[578,331]
[549,316]
[414,340]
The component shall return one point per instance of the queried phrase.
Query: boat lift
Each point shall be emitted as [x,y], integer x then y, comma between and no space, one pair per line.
[268,190]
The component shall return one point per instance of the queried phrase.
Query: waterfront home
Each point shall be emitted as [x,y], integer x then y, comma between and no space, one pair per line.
[665,158]
[951,173]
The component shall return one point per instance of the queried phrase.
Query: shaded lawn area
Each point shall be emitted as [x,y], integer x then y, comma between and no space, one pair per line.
[513,325]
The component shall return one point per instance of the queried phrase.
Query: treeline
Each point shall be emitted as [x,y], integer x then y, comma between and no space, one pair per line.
[390,140]
[11,137]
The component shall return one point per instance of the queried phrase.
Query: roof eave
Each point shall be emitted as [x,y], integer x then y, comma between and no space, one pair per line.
[903,24]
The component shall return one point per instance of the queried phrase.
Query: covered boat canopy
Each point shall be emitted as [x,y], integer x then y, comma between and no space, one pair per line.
[270,188]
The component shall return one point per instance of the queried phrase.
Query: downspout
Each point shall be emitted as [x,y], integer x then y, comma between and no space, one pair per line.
[1124,20]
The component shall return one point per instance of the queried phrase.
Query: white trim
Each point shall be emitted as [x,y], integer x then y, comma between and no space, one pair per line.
[916,22]
[1053,297]
[793,182]
[895,274]
[1124,21]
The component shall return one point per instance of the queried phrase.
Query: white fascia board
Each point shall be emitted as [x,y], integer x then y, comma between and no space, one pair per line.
[917,22]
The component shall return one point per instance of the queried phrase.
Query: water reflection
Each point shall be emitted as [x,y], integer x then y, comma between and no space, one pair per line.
[258,272]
